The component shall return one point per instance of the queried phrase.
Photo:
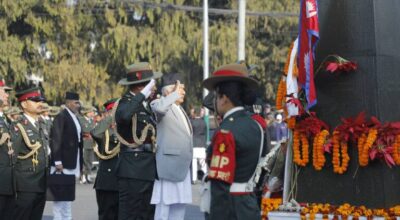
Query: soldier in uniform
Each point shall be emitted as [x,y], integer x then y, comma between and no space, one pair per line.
[106,183]
[236,146]
[7,189]
[31,167]
[13,113]
[46,117]
[136,169]
[87,123]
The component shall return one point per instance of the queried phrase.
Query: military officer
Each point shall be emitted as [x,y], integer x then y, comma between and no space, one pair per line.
[106,183]
[136,168]
[236,146]
[7,158]
[13,113]
[31,167]
[87,122]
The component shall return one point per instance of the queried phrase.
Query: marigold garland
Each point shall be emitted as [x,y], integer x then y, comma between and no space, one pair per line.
[343,211]
[340,162]
[318,149]
[396,150]
[291,122]
[366,144]
[360,146]
[297,156]
[269,204]
[281,94]
[295,71]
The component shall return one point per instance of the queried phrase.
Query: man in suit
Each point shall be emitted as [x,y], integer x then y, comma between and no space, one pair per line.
[106,183]
[31,168]
[172,190]
[87,122]
[7,160]
[66,148]
[136,169]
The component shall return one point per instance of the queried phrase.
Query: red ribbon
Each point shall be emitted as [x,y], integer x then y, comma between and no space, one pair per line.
[28,95]
[227,73]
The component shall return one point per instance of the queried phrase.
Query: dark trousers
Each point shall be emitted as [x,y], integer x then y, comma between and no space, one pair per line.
[233,207]
[29,205]
[88,157]
[134,199]
[7,203]
[107,202]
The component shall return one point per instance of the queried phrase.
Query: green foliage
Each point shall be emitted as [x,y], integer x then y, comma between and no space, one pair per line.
[126,33]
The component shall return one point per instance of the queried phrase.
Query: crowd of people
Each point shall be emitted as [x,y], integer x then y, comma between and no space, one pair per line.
[148,148]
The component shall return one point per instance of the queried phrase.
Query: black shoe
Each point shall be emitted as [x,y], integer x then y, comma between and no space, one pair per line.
[88,180]
[200,174]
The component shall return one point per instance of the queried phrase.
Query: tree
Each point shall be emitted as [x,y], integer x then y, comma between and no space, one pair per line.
[86,46]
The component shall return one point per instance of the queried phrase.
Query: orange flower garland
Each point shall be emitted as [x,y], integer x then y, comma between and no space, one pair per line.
[269,204]
[340,162]
[287,63]
[363,156]
[297,138]
[344,210]
[281,94]
[396,150]
[291,122]
[314,209]
[318,149]
[360,146]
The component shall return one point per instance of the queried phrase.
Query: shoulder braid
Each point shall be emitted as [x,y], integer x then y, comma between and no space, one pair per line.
[109,154]
[136,140]
[33,147]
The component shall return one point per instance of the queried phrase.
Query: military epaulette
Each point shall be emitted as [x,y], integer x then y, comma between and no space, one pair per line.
[260,120]
[223,160]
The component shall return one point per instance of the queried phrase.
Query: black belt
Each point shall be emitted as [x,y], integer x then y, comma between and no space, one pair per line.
[140,148]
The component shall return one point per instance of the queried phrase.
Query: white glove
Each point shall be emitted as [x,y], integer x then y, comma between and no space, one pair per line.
[146,91]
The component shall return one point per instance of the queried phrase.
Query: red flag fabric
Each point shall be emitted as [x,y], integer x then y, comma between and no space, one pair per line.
[308,38]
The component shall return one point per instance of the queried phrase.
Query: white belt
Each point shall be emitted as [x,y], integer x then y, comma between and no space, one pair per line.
[240,187]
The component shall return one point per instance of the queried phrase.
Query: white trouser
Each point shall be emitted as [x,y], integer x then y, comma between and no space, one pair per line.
[170,212]
[62,210]
[199,156]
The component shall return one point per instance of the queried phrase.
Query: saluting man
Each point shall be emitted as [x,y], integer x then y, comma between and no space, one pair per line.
[106,183]
[136,131]
[173,189]
[236,146]
[31,167]
[7,190]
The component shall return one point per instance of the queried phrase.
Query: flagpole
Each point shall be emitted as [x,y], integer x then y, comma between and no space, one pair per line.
[288,169]
[241,29]
[205,60]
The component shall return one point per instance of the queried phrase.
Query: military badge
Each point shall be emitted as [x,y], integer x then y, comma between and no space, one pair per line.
[223,159]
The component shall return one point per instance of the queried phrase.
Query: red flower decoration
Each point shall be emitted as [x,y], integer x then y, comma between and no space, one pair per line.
[352,127]
[340,65]
[311,125]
